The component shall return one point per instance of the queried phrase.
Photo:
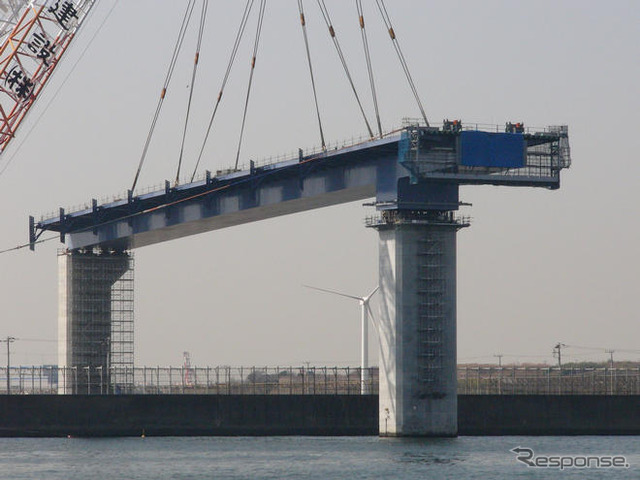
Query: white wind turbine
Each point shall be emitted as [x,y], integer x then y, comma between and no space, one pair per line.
[364,326]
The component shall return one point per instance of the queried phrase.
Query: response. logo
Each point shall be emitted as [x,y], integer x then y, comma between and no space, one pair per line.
[562,462]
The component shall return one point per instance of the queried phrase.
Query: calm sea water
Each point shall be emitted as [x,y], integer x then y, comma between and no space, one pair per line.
[304,457]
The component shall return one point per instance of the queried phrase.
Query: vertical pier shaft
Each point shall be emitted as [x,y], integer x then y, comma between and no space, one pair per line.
[418,382]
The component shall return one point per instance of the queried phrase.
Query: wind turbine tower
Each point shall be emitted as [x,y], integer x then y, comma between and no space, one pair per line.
[365,310]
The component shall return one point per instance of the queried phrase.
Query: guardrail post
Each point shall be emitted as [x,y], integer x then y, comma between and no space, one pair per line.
[266,380]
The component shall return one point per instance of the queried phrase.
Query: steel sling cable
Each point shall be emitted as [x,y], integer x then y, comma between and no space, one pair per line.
[313,82]
[332,32]
[203,18]
[263,5]
[234,52]
[367,55]
[25,245]
[163,93]
[403,62]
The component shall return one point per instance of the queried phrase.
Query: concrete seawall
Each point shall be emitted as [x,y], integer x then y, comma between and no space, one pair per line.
[549,415]
[327,415]
[187,415]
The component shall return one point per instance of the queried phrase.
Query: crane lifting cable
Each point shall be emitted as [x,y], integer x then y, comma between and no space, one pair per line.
[172,64]
[403,62]
[303,22]
[234,53]
[334,37]
[203,18]
[367,55]
[35,36]
[263,5]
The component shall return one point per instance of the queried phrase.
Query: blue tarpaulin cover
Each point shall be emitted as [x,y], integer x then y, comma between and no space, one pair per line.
[483,149]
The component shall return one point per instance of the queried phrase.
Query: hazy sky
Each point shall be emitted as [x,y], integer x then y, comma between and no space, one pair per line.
[536,267]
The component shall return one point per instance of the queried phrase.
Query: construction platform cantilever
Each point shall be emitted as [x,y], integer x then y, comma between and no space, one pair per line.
[414,176]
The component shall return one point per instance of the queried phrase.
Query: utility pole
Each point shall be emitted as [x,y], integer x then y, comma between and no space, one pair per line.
[499,357]
[9,341]
[611,372]
[610,352]
[557,350]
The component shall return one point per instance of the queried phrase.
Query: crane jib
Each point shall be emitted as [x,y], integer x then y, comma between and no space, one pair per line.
[35,36]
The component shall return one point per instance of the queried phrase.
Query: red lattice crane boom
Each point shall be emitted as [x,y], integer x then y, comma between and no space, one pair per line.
[35,36]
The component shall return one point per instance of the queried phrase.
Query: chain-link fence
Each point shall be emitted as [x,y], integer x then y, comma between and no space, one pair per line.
[548,381]
[182,380]
[308,381]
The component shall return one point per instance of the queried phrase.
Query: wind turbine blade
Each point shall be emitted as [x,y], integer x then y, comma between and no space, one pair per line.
[373,320]
[366,299]
[360,299]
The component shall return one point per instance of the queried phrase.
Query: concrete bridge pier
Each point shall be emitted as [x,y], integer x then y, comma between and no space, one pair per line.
[95,319]
[418,383]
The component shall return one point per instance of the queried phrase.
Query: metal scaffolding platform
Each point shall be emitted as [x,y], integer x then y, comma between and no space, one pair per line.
[96,319]
[122,329]
[468,155]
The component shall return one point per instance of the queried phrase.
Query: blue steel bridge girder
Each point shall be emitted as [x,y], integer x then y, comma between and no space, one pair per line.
[418,168]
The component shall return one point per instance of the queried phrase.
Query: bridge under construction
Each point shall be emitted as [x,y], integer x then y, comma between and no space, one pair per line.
[412,174]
